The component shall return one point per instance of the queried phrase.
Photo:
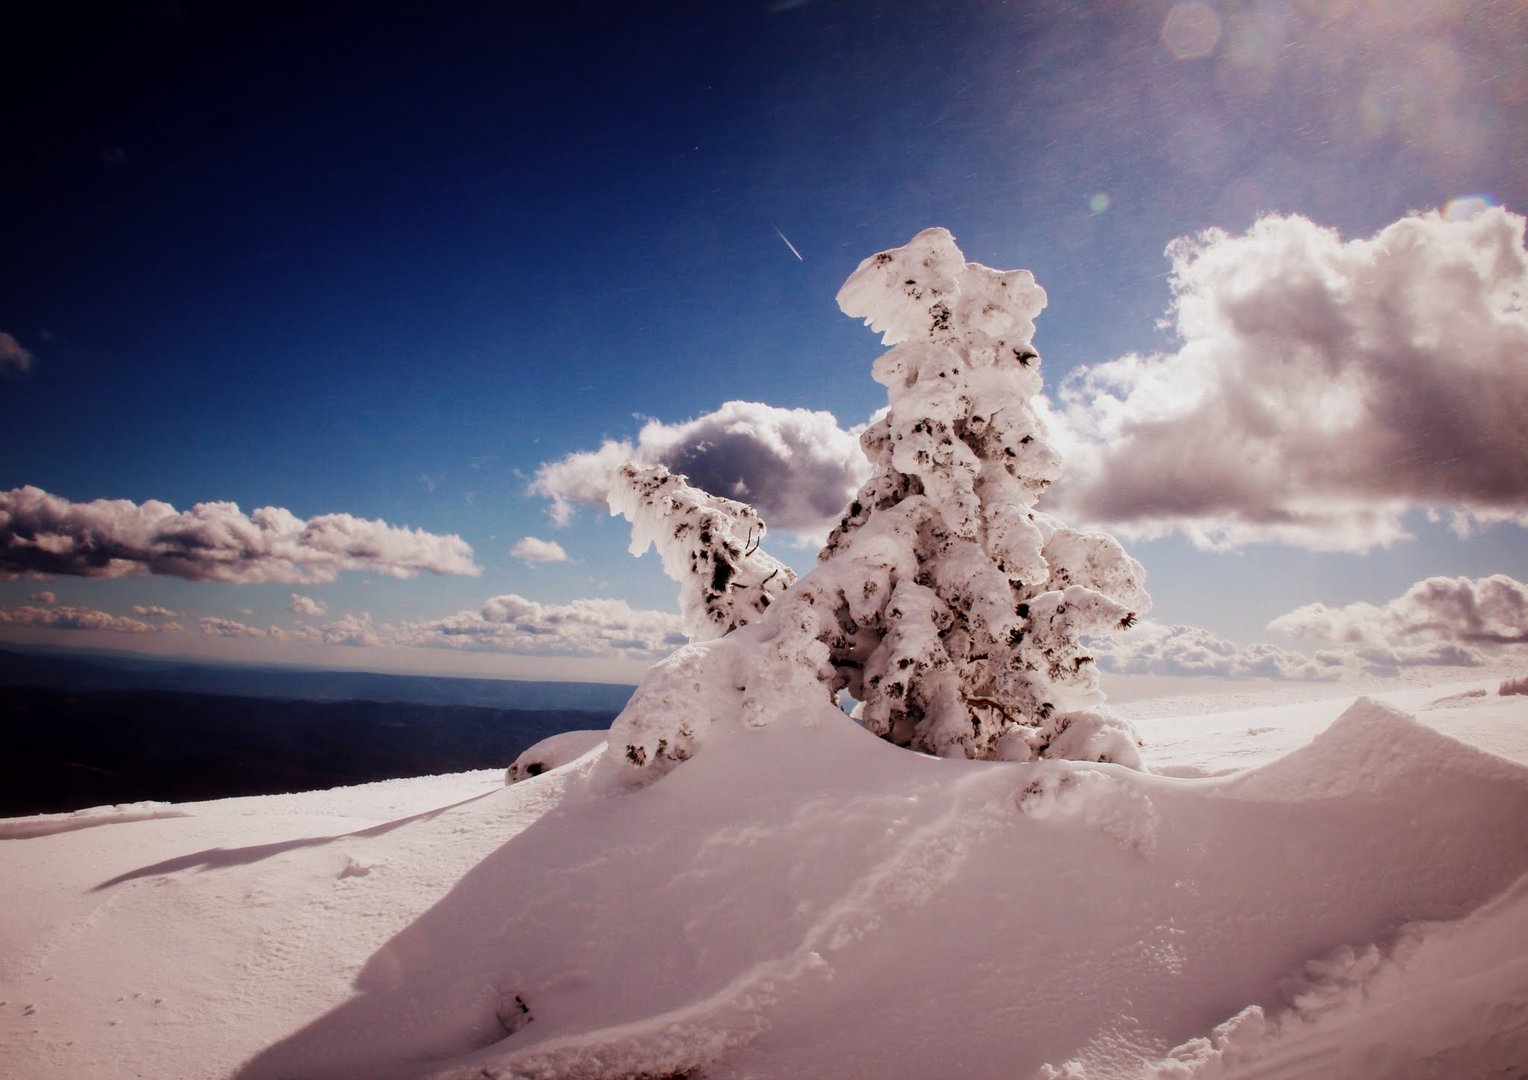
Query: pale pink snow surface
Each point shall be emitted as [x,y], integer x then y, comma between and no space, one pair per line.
[803,899]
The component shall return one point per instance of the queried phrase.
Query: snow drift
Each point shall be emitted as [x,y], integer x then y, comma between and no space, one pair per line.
[802,899]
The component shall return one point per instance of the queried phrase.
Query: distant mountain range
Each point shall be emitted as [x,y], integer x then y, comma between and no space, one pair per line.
[118,671]
[78,732]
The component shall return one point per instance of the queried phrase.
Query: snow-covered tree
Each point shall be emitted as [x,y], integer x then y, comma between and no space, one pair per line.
[944,602]
[964,607]
[710,545]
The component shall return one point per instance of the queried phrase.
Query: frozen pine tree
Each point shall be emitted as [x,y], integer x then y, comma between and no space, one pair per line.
[963,608]
[944,602]
[710,545]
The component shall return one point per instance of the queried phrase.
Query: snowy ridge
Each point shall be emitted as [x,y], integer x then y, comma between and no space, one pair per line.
[706,924]
[800,899]
[1442,999]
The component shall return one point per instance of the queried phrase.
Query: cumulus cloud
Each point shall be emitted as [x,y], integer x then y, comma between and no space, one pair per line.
[357,631]
[217,626]
[591,627]
[797,467]
[14,360]
[307,606]
[45,534]
[1321,389]
[1153,648]
[533,550]
[1450,621]
[69,617]
[44,598]
[352,630]
[153,611]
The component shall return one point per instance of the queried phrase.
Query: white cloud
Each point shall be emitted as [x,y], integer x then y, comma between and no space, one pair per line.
[1322,388]
[1451,621]
[591,627]
[69,617]
[797,467]
[217,626]
[153,611]
[533,550]
[1153,648]
[45,534]
[44,598]
[14,360]
[356,630]
[307,606]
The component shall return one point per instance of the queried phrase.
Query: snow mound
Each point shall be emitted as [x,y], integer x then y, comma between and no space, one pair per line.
[1442,999]
[804,899]
[1369,748]
[49,824]
[553,752]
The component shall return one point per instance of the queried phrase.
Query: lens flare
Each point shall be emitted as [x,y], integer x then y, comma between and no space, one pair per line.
[1191,31]
[1467,206]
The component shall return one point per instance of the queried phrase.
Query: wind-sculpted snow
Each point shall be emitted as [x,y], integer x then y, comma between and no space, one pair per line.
[551,753]
[805,900]
[1440,999]
[802,899]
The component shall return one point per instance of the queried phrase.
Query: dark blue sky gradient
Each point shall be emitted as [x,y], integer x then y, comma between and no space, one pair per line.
[307,255]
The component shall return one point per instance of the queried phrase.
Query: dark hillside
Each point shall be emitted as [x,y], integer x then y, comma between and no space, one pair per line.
[64,750]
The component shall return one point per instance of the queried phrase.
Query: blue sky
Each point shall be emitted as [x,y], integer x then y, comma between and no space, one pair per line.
[339,261]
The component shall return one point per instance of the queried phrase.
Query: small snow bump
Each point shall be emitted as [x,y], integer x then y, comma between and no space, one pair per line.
[354,868]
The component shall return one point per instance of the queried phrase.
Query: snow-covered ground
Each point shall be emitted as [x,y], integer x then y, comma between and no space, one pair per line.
[1313,888]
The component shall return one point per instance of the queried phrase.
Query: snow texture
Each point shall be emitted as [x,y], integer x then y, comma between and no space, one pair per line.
[551,753]
[805,900]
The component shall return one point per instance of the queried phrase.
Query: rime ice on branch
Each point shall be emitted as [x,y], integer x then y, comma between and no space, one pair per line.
[710,545]
[944,602]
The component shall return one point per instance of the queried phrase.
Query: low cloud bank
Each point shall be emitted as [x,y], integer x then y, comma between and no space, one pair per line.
[588,628]
[1153,648]
[797,467]
[1322,389]
[1439,622]
[70,617]
[1449,621]
[585,628]
[45,534]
